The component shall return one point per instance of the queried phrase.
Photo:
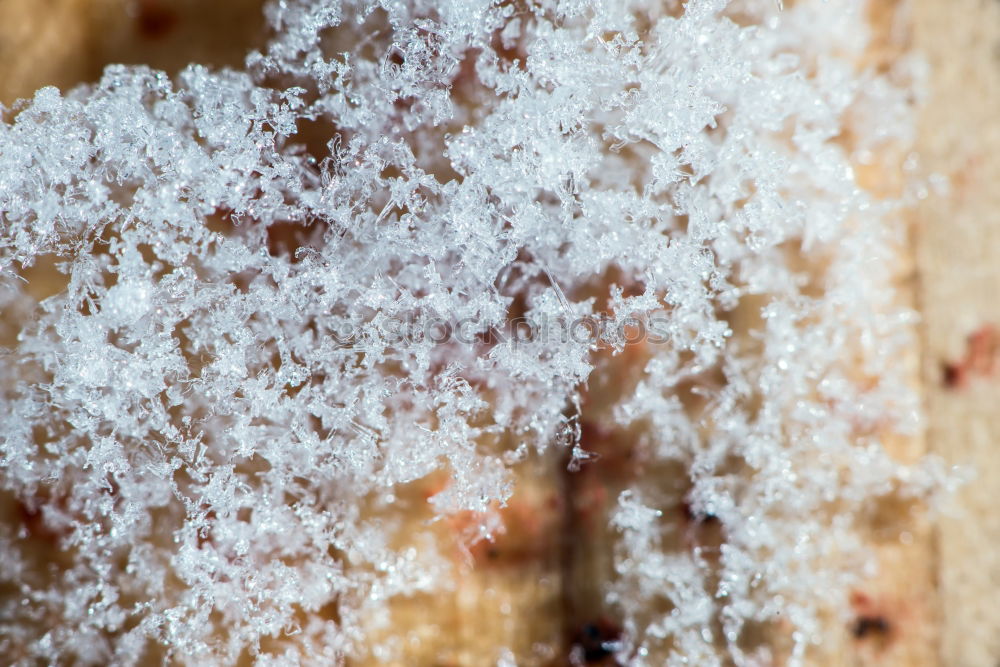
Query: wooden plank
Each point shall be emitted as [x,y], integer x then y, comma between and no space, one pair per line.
[959,275]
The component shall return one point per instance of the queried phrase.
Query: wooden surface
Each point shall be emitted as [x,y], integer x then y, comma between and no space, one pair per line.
[957,246]
[937,599]
[68,42]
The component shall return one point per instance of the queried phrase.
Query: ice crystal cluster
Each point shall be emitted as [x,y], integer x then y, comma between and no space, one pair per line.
[208,426]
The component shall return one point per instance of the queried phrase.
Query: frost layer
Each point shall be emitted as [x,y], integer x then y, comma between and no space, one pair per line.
[205,425]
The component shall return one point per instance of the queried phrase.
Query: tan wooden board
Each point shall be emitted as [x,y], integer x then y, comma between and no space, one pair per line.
[957,246]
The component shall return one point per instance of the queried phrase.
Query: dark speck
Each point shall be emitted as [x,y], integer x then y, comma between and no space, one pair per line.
[951,375]
[597,640]
[154,21]
[870,626]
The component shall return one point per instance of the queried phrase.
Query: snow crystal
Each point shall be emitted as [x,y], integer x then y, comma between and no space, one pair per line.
[257,347]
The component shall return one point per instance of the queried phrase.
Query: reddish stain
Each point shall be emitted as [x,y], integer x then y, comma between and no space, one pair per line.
[34,523]
[154,21]
[980,358]
[872,622]
[527,535]
[617,454]
[527,528]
